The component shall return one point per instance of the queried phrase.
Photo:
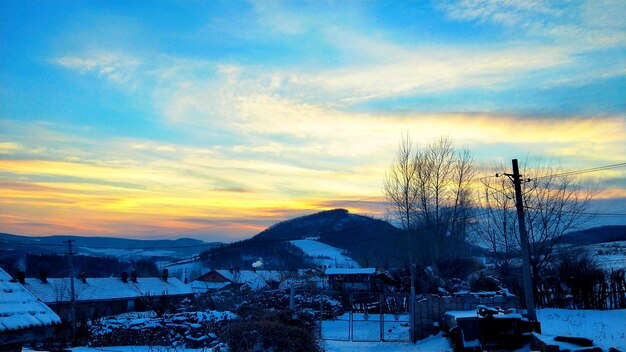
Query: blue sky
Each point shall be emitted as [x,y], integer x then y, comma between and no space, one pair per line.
[220,111]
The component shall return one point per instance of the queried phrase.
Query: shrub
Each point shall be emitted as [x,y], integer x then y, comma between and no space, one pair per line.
[582,274]
[258,330]
[484,283]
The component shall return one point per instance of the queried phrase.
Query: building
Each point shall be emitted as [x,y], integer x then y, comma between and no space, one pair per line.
[350,279]
[23,318]
[219,279]
[96,297]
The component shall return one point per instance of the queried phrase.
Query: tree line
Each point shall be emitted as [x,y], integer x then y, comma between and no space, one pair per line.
[436,195]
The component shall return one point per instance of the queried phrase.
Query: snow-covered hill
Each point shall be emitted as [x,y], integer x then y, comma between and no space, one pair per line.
[323,254]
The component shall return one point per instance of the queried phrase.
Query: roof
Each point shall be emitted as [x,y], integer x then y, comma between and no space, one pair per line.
[255,279]
[20,309]
[57,290]
[203,286]
[350,271]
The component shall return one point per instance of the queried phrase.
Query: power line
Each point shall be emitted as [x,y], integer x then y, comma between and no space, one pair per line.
[584,171]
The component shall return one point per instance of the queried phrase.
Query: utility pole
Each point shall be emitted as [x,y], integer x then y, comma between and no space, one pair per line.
[528,284]
[412,298]
[70,255]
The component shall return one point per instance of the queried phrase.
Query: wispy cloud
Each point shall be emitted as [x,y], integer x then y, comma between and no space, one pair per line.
[115,67]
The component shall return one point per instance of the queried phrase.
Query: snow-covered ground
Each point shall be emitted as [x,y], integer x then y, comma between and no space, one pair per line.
[606,328]
[367,328]
[609,255]
[323,254]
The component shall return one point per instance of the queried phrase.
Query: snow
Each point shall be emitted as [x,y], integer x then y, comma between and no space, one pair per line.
[186,270]
[129,253]
[255,279]
[606,328]
[19,309]
[436,343]
[203,286]
[323,254]
[367,327]
[58,289]
[347,271]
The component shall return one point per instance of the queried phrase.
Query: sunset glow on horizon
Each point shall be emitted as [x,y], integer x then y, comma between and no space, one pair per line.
[214,120]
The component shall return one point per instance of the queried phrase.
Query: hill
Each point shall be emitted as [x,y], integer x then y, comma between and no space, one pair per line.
[369,241]
[596,235]
[120,248]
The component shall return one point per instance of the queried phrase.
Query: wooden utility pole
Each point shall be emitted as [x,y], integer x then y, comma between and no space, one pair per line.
[528,282]
[70,255]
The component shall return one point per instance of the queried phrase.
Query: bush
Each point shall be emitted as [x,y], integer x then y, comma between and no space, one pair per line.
[484,283]
[279,300]
[582,274]
[258,330]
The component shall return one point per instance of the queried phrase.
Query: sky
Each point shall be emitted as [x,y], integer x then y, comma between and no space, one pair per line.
[216,119]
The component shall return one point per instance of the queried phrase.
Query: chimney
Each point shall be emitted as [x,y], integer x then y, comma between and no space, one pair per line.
[133,276]
[83,277]
[20,277]
[124,277]
[43,276]
[165,275]
[237,269]
[231,270]
[254,269]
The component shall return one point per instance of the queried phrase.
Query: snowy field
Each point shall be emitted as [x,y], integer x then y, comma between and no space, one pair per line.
[610,255]
[323,254]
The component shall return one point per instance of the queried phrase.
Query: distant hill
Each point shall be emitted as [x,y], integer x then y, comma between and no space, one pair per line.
[596,235]
[121,248]
[369,241]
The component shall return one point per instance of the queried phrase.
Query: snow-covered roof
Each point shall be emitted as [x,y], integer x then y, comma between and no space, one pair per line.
[350,271]
[58,289]
[19,309]
[203,286]
[255,279]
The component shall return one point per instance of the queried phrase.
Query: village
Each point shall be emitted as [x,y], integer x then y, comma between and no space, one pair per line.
[336,305]
[312,176]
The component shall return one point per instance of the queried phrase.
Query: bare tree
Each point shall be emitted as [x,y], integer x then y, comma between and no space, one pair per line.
[399,184]
[554,204]
[496,226]
[428,187]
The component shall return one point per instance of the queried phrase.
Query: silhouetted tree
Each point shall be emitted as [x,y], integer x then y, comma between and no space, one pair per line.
[428,189]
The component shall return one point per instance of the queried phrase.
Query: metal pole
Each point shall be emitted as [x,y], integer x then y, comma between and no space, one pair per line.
[382,317]
[72,291]
[528,284]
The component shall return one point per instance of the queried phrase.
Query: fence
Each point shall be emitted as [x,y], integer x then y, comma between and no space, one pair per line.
[386,317]
[602,292]
[366,317]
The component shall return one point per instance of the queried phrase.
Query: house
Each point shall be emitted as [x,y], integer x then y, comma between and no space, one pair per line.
[23,318]
[97,297]
[350,279]
[219,279]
